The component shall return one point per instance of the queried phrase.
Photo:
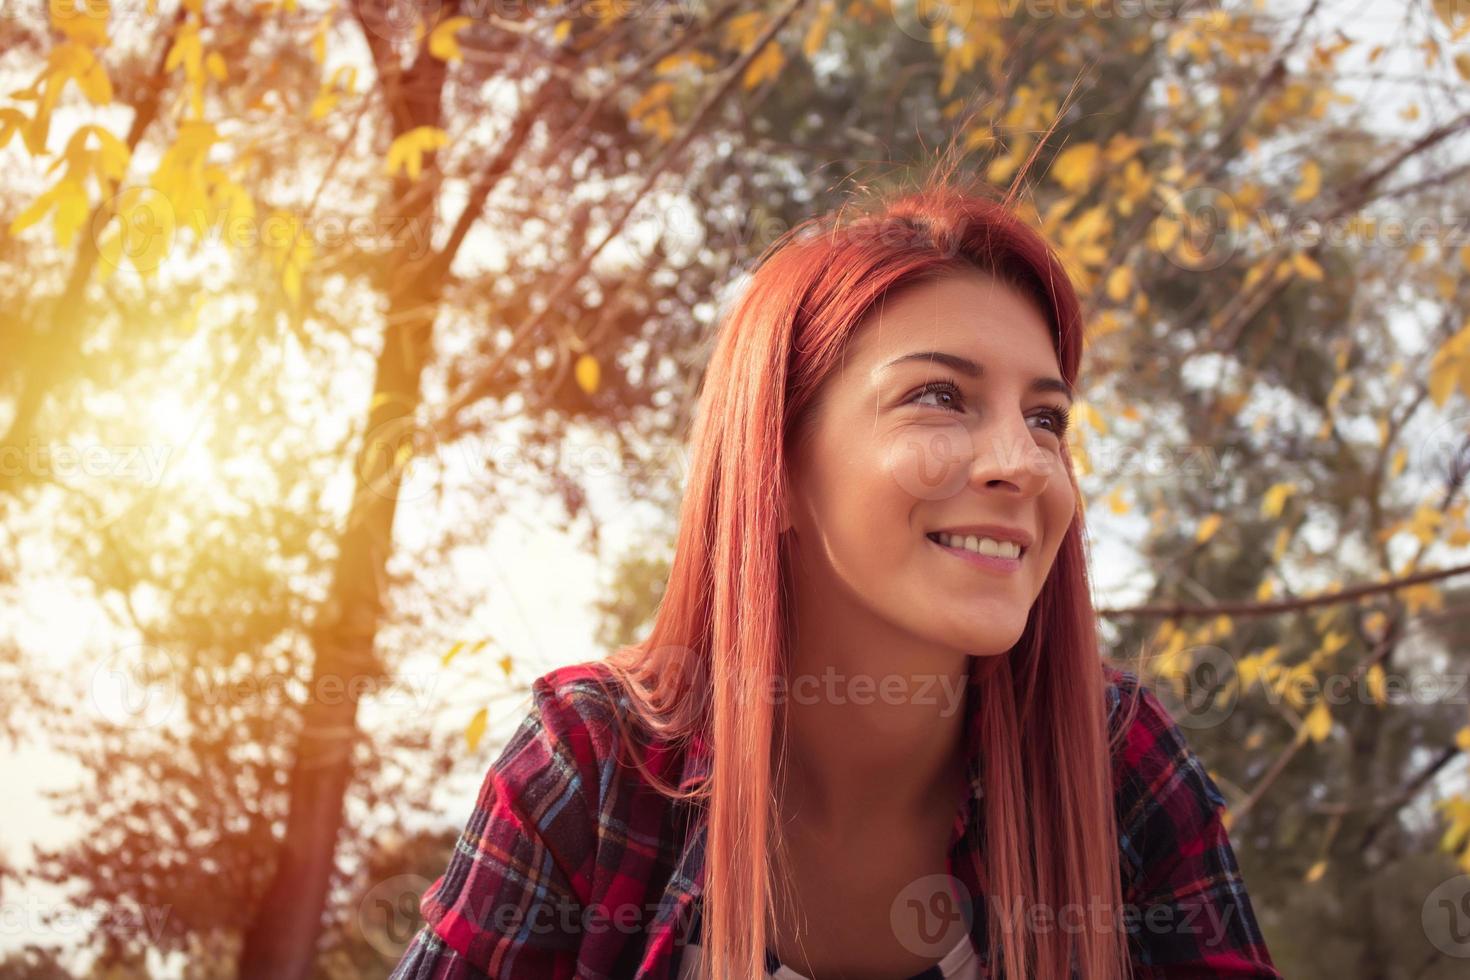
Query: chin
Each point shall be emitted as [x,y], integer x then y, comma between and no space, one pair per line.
[991,642]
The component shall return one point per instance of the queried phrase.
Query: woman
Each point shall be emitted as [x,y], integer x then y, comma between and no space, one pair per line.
[875,665]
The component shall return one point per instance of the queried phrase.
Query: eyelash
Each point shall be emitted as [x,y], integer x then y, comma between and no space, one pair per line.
[1061,417]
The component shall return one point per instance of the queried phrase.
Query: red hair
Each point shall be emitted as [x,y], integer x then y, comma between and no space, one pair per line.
[719,637]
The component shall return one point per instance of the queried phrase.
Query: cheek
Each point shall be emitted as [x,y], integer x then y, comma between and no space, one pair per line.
[930,462]
[1059,505]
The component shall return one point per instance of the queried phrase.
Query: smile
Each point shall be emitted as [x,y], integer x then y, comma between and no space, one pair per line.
[986,553]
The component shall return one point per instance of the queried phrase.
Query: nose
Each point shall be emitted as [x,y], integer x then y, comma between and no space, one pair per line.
[1007,459]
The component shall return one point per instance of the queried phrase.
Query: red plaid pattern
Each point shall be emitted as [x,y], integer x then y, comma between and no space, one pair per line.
[571,867]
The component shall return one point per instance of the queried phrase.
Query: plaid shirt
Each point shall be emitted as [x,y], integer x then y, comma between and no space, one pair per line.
[571,867]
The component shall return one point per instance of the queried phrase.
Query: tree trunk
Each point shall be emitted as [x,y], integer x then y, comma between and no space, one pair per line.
[281,941]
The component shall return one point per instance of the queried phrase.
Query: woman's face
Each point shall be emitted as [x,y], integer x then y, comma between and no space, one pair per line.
[945,416]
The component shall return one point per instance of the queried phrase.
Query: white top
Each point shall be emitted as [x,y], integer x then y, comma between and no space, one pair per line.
[960,963]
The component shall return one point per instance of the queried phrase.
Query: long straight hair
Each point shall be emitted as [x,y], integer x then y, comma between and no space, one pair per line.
[720,635]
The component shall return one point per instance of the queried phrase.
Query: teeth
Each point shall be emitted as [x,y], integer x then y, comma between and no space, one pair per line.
[983,546]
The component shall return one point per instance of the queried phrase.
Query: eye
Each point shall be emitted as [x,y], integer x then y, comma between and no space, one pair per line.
[1060,419]
[940,388]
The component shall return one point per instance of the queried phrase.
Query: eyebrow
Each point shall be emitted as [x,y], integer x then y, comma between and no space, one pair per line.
[970,368]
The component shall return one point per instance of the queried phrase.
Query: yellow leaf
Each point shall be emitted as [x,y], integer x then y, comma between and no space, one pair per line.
[1120,282]
[1092,417]
[655,96]
[1207,528]
[215,65]
[1074,168]
[84,21]
[765,65]
[1442,376]
[562,32]
[1318,722]
[1311,182]
[1118,502]
[1275,498]
[442,41]
[588,373]
[475,730]
[505,664]
[1376,684]
[817,33]
[407,151]
[742,30]
[1265,590]
[1420,597]
[452,650]
[69,200]
[1462,737]
[34,213]
[1166,233]
[1306,267]
[1315,871]
[319,40]
[1426,523]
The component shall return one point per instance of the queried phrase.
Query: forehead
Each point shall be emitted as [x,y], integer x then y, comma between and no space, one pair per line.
[968,313]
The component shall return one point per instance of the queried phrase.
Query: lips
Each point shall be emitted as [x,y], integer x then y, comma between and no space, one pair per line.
[1000,532]
[993,563]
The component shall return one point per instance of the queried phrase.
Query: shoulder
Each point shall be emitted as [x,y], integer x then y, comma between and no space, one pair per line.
[1153,751]
[584,721]
[573,730]
[1168,806]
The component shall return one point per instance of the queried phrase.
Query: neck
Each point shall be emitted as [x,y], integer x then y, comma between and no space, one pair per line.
[874,723]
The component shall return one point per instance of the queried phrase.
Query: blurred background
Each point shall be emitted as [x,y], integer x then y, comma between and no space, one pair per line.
[347,350]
